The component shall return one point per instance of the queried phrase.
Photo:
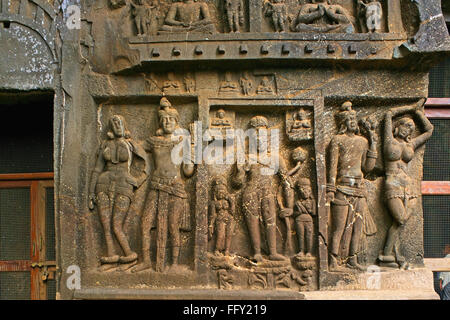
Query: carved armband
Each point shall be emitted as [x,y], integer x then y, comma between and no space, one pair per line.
[331,188]
[372,154]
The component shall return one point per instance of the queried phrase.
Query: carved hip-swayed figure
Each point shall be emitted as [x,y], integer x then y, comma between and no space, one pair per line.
[221,218]
[258,198]
[167,200]
[112,187]
[350,156]
[320,16]
[399,148]
[188,16]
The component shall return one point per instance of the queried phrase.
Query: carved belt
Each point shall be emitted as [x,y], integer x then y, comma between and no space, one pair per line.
[169,185]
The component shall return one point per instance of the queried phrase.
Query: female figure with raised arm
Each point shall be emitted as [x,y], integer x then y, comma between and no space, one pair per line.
[399,149]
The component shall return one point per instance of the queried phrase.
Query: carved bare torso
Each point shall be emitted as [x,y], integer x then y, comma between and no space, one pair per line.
[398,154]
[351,150]
[186,13]
[161,150]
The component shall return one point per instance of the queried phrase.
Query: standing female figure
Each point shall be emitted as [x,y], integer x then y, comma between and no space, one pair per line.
[399,148]
[112,188]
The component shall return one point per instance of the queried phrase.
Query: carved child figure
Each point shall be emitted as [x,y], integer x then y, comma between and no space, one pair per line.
[235,14]
[221,218]
[277,10]
[304,210]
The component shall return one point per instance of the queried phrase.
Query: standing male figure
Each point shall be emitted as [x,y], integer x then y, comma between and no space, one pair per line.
[235,14]
[350,156]
[167,200]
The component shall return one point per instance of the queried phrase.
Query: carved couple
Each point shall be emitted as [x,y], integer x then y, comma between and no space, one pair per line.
[112,189]
[352,156]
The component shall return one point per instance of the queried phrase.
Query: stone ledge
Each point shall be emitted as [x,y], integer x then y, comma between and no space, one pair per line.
[372,295]
[185,294]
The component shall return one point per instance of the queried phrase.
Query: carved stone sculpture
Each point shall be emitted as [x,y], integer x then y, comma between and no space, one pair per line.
[112,188]
[142,13]
[221,219]
[351,155]
[320,16]
[235,14]
[220,120]
[151,84]
[188,16]
[399,148]
[258,199]
[370,15]
[167,200]
[189,83]
[304,211]
[171,85]
[246,84]
[276,9]
[228,85]
[265,86]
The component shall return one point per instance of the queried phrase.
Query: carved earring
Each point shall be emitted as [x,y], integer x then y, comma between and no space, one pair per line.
[395,131]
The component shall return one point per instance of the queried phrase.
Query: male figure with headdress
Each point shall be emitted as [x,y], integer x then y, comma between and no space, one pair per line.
[350,155]
[167,201]
[188,16]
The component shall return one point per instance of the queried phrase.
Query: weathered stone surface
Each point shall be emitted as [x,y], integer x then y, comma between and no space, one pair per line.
[329,82]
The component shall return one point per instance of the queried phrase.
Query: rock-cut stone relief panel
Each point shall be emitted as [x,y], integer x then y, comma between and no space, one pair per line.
[165,204]
[262,216]
[401,190]
[353,154]
[267,239]
[234,16]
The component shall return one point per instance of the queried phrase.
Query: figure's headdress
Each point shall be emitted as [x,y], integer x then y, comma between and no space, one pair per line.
[166,110]
[345,112]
